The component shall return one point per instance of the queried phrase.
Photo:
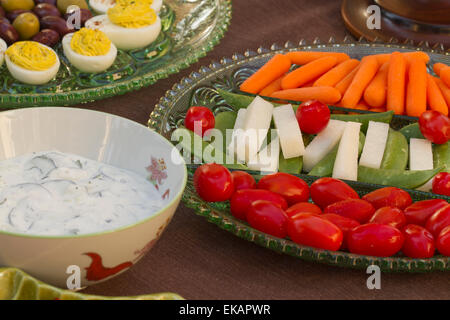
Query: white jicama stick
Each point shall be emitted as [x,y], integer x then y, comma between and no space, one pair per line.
[322,144]
[346,163]
[268,158]
[420,154]
[236,137]
[373,151]
[289,133]
[256,125]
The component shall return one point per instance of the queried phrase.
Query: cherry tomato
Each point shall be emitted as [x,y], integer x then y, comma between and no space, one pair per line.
[268,217]
[389,215]
[439,220]
[314,231]
[242,199]
[389,197]
[356,209]
[441,183]
[292,188]
[243,180]
[374,239]
[343,223]
[419,242]
[202,116]
[213,182]
[312,116]
[443,242]
[435,126]
[326,191]
[419,212]
[303,207]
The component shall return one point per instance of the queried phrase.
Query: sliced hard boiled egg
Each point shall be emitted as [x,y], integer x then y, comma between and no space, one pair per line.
[32,62]
[102,6]
[126,38]
[3,47]
[89,50]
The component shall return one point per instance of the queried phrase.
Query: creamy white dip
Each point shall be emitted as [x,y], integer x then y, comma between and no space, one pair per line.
[54,193]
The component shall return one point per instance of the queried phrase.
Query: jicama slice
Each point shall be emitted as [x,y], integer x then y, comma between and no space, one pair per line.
[267,159]
[256,125]
[322,144]
[420,154]
[236,145]
[373,151]
[346,164]
[289,133]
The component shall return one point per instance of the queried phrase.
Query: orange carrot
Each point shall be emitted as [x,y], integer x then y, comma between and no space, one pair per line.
[304,57]
[416,92]
[435,98]
[271,88]
[272,70]
[378,109]
[437,67]
[362,105]
[375,93]
[385,57]
[367,70]
[308,72]
[444,89]
[343,85]
[396,83]
[327,95]
[332,77]
[445,75]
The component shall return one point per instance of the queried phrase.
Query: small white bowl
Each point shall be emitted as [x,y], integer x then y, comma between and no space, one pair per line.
[103,137]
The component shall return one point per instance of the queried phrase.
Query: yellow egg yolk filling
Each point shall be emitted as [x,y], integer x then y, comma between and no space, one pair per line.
[31,55]
[88,42]
[132,14]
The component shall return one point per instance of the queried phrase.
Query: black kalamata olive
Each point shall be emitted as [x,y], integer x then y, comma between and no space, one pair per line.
[56,23]
[8,33]
[48,37]
[45,9]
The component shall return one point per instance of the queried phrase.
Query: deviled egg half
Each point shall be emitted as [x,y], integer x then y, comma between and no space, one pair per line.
[128,24]
[102,6]
[3,47]
[89,50]
[32,62]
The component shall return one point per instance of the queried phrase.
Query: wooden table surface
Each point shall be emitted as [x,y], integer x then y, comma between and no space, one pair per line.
[196,259]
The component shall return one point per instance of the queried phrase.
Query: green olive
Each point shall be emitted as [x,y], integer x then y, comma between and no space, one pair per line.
[27,25]
[64,4]
[10,5]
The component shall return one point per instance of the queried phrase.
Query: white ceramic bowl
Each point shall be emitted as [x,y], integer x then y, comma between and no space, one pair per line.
[102,137]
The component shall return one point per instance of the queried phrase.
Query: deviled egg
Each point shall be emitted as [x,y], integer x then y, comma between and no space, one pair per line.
[32,62]
[129,25]
[3,47]
[89,50]
[102,6]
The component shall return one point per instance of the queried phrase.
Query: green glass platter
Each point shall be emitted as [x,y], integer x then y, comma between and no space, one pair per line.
[200,88]
[17,285]
[189,30]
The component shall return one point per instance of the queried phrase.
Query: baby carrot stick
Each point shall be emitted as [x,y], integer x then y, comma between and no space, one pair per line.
[272,70]
[271,88]
[435,98]
[445,75]
[343,85]
[395,99]
[332,77]
[304,57]
[375,93]
[444,89]
[437,67]
[384,57]
[308,72]
[365,74]
[416,92]
[362,105]
[327,95]
[378,109]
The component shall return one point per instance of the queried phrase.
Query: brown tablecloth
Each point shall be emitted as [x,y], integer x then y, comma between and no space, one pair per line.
[196,259]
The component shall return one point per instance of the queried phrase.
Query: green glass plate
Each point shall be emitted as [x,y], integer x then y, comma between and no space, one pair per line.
[189,30]
[200,88]
[17,285]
